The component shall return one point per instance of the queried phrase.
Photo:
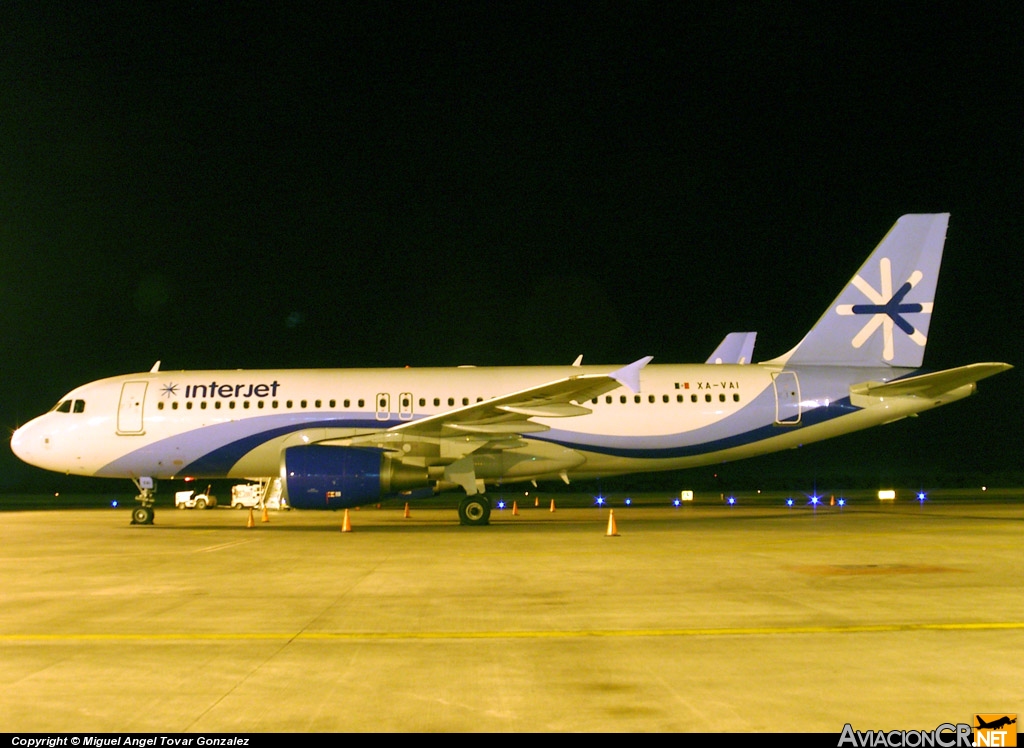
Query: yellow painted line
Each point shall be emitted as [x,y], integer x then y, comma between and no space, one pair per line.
[609,633]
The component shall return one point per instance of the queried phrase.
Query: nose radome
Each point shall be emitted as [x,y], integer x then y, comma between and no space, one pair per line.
[28,443]
[18,443]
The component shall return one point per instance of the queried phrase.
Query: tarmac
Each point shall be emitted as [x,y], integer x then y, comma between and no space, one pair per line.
[756,617]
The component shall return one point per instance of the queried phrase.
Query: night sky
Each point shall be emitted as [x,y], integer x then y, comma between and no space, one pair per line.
[500,183]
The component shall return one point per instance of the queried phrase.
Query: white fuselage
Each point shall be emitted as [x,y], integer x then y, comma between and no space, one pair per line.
[233,424]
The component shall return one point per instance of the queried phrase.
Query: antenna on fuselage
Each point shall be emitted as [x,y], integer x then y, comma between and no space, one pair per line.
[156,368]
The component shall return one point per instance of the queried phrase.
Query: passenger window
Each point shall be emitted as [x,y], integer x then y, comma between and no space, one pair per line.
[721,398]
[707,398]
[735,397]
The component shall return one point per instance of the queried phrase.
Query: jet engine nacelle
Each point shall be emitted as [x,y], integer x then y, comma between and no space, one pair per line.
[316,476]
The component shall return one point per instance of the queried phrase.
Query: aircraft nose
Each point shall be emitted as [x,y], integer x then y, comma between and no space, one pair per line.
[27,442]
[18,443]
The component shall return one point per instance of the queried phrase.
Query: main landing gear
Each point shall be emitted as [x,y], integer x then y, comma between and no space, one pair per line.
[475,510]
[143,514]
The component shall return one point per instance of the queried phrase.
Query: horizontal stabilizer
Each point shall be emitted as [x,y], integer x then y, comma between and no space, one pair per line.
[930,385]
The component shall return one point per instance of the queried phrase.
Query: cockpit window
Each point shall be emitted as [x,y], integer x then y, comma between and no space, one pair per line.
[69,406]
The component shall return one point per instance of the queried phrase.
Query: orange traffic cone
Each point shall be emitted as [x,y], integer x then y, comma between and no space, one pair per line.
[515,509]
[250,523]
[552,505]
[612,530]
[346,523]
[266,516]
[406,515]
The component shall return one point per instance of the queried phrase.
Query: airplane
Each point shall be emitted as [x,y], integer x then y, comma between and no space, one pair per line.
[341,438]
[995,724]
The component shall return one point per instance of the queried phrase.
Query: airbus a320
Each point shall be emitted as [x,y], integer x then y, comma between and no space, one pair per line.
[341,438]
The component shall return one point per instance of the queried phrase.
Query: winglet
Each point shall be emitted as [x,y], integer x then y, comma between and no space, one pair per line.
[629,375]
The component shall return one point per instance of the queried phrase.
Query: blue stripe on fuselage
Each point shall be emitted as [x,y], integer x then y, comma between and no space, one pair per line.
[213,450]
[700,441]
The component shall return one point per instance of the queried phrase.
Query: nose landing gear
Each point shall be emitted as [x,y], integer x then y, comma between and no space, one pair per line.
[143,514]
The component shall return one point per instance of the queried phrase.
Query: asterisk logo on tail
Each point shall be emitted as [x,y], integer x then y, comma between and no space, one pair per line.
[886,309]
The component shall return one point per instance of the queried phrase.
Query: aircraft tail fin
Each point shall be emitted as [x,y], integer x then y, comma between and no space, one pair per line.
[735,348]
[881,317]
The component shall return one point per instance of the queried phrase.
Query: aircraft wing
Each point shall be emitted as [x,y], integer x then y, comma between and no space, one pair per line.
[510,414]
[929,385]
